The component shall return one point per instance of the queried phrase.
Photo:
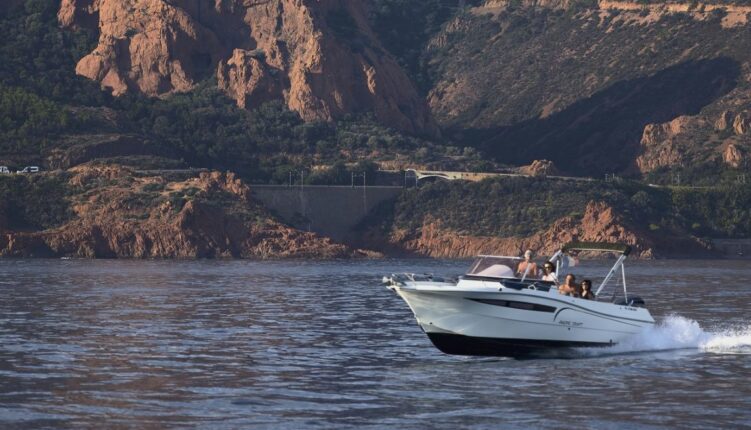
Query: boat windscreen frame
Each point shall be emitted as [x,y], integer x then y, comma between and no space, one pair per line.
[479,259]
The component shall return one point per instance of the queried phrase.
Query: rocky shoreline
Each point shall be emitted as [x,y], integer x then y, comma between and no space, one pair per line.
[116,214]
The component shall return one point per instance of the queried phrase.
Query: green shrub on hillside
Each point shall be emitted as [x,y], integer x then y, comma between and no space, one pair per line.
[523,206]
[29,123]
[33,202]
[40,57]
[722,212]
[405,26]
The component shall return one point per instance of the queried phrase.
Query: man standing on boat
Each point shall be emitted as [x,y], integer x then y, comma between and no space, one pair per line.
[527,268]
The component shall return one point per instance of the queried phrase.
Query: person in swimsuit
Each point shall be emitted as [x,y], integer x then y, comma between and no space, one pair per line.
[527,267]
[569,287]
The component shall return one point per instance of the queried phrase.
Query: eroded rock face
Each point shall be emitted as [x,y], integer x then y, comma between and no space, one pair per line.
[733,156]
[79,13]
[150,46]
[539,168]
[249,79]
[320,56]
[741,123]
[504,4]
[724,121]
[661,146]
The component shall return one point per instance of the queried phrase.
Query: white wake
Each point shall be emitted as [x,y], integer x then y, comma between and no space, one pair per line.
[676,332]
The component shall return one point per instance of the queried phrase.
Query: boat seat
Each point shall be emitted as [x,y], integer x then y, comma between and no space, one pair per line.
[532,285]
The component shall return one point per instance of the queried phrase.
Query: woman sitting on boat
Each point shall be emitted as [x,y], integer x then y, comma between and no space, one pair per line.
[586,290]
[549,272]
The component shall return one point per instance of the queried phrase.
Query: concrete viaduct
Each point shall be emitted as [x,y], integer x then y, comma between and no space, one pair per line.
[331,211]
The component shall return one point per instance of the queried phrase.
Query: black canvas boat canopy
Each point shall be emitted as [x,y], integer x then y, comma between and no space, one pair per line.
[619,248]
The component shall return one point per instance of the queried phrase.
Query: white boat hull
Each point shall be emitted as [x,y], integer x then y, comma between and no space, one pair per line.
[475,318]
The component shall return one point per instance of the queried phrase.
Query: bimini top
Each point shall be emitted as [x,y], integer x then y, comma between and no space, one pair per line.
[619,248]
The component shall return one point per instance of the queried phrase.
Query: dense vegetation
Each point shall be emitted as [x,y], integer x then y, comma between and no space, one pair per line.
[722,212]
[405,26]
[33,202]
[523,206]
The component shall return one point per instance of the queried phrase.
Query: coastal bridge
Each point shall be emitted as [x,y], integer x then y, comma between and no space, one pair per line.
[331,211]
[414,176]
[418,175]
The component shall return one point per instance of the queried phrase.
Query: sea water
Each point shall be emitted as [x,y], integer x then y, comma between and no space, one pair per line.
[294,344]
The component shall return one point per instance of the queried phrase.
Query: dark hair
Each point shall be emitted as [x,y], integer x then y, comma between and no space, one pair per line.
[586,282]
[548,264]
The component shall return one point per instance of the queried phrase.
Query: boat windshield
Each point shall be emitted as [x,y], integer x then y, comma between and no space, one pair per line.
[496,267]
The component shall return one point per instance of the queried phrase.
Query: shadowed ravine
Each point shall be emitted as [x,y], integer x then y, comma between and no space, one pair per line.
[601,134]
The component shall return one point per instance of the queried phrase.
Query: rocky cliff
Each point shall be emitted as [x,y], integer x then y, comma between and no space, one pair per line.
[118,214]
[319,56]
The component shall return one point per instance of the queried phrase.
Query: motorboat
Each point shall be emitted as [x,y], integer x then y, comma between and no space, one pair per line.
[494,310]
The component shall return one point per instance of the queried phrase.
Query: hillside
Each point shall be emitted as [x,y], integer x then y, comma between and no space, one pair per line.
[638,89]
[108,96]
[55,118]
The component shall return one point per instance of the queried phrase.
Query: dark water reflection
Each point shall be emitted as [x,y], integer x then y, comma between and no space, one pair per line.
[303,344]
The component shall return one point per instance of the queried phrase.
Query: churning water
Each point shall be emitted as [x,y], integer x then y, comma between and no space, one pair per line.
[213,344]
[676,332]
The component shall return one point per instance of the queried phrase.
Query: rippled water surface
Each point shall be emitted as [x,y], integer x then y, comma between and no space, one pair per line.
[211,344]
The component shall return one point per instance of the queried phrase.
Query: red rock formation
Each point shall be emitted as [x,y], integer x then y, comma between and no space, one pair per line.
[150,46]
[661,146]
[539,168]
[249,79]
[79,13]
[741,123]
[733,156]
[724,121]
[320,56]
